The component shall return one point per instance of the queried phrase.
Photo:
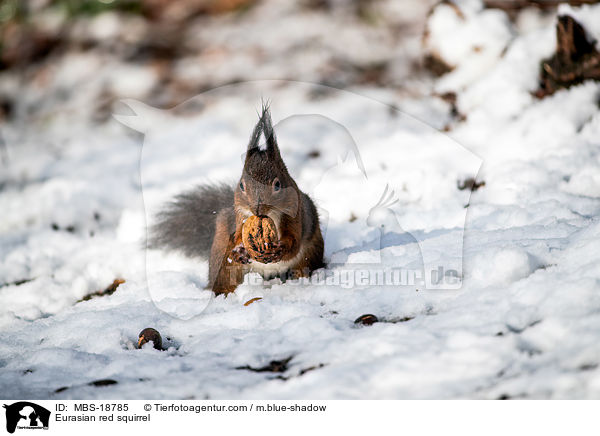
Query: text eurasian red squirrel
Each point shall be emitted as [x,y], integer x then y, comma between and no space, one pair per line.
[207,221]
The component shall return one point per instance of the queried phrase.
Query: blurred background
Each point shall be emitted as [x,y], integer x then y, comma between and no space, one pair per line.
[75,58]
[78,57]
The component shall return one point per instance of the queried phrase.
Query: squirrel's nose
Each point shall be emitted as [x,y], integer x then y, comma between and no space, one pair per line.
[257,208]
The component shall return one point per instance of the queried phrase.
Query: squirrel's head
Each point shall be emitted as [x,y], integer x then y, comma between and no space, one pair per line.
[266,188]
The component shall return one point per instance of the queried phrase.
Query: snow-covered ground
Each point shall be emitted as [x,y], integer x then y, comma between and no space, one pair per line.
[75,200]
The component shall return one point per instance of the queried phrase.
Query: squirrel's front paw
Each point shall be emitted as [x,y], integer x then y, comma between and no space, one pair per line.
[240,255]
[273,253]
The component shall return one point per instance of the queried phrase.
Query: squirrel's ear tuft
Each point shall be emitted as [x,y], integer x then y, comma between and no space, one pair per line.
[272,147]
[255,138]
[265,127]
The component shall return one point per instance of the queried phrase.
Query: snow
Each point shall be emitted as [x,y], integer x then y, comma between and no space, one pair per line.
[467,38]
[522,322]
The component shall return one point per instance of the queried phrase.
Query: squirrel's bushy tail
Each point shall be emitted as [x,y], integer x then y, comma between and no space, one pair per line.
[187,224]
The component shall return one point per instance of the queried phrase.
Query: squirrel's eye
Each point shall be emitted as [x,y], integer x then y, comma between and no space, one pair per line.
[276,185]
[242,186]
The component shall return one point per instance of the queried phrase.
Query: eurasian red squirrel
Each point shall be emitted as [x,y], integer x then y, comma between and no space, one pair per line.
[207,221]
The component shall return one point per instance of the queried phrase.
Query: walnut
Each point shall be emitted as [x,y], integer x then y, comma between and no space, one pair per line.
[259,236]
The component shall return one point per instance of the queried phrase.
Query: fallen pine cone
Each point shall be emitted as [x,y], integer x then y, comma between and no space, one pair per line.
[150,334]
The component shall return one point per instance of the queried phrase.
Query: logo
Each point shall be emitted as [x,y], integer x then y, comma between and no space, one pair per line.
[26,415]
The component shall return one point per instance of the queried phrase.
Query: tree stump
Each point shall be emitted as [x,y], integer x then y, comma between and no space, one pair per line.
[576,59]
